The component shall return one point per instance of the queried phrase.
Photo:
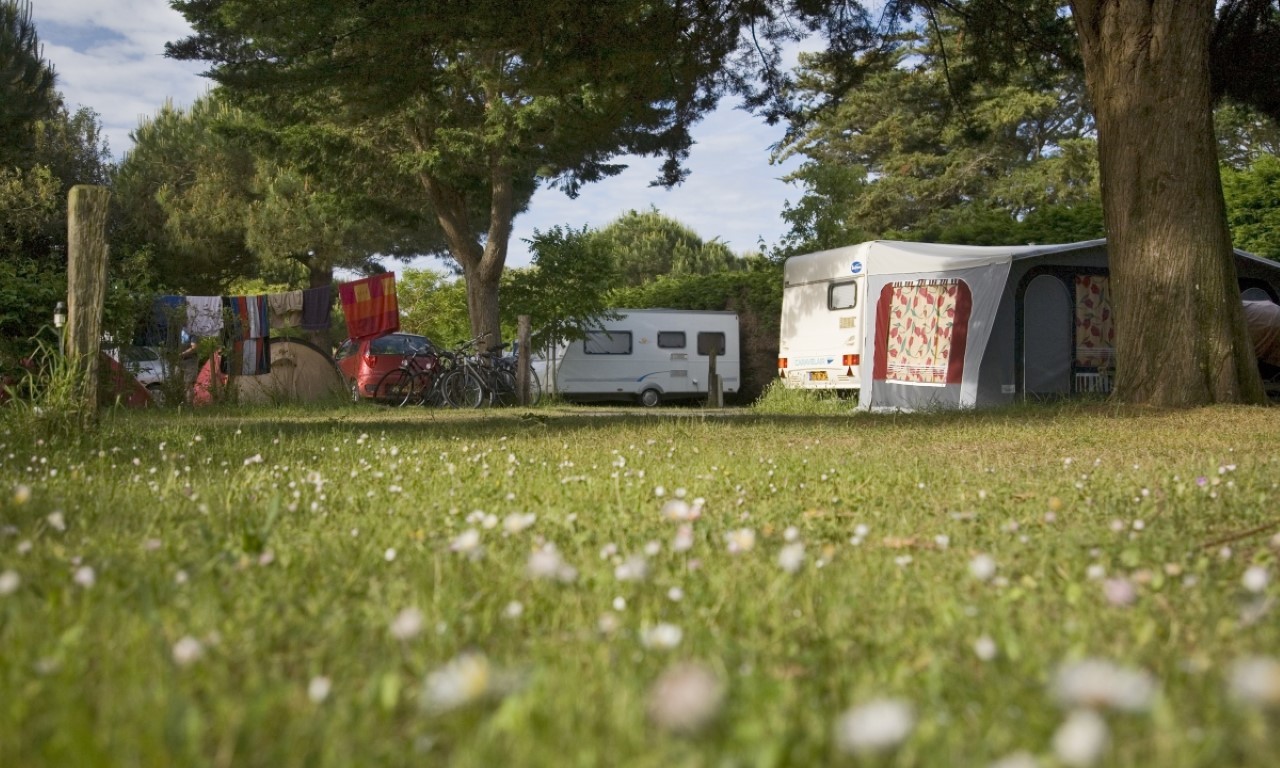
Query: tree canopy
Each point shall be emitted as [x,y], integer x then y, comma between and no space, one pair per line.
[484,101]
[923,148]
[27,92]
[645,245]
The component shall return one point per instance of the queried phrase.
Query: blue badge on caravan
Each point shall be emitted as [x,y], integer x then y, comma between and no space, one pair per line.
[856,267]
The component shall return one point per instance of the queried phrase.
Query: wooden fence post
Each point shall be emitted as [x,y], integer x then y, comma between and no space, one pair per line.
[86,286]
[522,360]
[714,399]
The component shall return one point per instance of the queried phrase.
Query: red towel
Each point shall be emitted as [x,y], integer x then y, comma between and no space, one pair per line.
[370,306]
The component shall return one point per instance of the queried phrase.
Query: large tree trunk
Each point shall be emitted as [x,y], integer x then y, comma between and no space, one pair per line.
[481,266]
[1180,333]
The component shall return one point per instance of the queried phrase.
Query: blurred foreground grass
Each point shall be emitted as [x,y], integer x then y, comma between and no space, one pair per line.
[360,586]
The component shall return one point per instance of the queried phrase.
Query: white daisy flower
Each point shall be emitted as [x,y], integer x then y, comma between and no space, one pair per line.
[1101,684]
[791,557]
[318,689]
[661,637]
[740,540]
[467,678]
[1080,741]
[187,650]
[408,624]
[685,698]
[878,725]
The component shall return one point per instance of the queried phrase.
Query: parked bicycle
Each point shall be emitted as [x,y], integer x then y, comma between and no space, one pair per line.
[497,374]
[431,378]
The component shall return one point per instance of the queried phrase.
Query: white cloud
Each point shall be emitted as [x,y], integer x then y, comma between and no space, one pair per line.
[109,55]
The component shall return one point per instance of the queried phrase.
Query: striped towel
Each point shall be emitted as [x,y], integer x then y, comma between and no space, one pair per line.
[370,306]
[249,319]
[247,357]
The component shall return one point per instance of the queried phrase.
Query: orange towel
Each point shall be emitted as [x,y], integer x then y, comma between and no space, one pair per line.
[370,306]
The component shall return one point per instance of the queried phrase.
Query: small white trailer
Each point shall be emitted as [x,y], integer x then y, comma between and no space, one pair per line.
[823,295]
[651,356]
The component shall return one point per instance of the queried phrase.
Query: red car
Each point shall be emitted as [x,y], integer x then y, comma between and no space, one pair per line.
[364,363]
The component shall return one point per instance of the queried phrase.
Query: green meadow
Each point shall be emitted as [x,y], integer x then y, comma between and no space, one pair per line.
[791,584]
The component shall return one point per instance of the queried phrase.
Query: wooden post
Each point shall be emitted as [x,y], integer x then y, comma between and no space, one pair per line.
[522,360]
[713,382]
[86,285]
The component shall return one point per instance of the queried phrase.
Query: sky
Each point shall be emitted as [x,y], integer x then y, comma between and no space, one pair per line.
[109,56]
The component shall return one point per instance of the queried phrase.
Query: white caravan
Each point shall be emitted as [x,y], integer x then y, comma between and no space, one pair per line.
[823,295]
[650,356]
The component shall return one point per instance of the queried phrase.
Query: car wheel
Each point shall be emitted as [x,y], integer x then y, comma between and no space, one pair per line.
[157,394]
[650,398]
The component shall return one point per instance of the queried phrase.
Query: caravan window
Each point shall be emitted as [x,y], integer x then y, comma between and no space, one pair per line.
[708,342]
[607,343]
[842,295]
[671,339]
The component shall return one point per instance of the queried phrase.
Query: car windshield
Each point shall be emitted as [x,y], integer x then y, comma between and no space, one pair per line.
[399,344]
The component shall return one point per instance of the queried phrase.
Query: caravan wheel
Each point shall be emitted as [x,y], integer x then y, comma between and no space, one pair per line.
[650,398]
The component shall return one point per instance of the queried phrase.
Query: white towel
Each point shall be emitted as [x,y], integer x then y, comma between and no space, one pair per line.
[204,315]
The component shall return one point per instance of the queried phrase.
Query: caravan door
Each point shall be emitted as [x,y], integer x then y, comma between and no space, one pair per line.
[1047,317]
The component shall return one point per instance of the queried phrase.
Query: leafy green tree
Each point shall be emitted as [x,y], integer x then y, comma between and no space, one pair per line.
[1253,206]
[27,92]
[433,304]
[219,193]
[647,244]
[1244,135]
[483,101]
[922,148]
[44,150]
[566,288]
[184,191]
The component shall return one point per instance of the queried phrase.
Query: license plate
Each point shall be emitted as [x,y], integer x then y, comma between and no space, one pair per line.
[817,375]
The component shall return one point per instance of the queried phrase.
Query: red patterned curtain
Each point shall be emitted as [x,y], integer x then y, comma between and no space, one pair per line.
[1095,325]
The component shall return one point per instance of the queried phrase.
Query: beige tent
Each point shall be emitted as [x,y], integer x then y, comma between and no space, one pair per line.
[300,373]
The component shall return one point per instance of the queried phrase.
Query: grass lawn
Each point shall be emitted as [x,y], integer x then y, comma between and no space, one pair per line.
[1075,585]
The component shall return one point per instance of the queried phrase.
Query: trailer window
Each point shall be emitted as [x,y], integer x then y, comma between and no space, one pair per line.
[671,339]
[607,343]
[842,295]
[709,342]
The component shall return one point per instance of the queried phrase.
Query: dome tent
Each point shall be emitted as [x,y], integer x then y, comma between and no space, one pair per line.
[300,373]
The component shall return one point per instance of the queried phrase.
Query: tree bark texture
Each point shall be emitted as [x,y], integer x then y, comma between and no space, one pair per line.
[481,264]
[86,285]
[1180,333]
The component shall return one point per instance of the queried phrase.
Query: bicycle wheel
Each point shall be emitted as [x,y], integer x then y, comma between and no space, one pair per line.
[502,388]
[394,388]
[535,388]
[463,389]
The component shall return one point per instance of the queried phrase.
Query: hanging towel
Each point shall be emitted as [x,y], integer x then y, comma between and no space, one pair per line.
[248,357]
[204,315]
[370,306]
[248,317]
[285,309]
[317,304]
[160,332]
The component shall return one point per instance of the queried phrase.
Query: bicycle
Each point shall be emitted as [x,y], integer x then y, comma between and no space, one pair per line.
[497,374]
[417,381]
